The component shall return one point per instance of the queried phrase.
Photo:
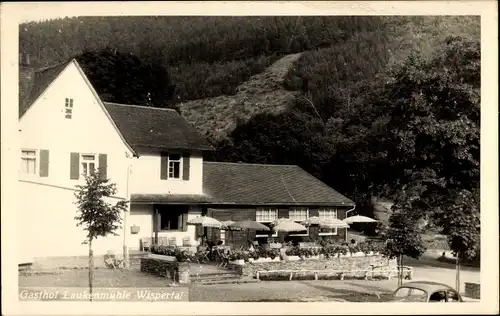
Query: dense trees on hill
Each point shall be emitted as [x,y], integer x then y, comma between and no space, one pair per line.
[206,56]
[124,78]
[210,56]
[414,138]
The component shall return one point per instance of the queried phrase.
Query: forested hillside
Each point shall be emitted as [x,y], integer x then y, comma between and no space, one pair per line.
[367,104]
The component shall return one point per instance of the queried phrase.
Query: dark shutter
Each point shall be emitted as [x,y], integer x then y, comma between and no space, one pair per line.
[44,163]
[184,222]
[103,166]
[185,166]
[164,166]
[158,221]
[75,166]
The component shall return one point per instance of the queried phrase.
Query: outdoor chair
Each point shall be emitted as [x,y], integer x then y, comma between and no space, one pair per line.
[186,241]
[112,262]
[145,244]
[172,241]
[222,258]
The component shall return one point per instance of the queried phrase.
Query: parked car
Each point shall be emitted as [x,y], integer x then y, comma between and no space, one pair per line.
[425,291]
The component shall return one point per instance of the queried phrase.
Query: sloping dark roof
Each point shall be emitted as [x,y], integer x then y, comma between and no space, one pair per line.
[260,184]
[32,88]
[155,128]
[169,198]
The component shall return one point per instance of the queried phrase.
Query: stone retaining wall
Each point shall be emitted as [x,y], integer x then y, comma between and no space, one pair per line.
[373,262]
[473,290]
[171,270]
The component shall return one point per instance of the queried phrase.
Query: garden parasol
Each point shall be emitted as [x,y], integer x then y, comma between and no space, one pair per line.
[359,219]
[333,223]
[325,222]
[250,225]
[228,225]
[287,225]
[205,221]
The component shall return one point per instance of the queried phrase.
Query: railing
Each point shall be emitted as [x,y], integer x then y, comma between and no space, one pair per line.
[367,273]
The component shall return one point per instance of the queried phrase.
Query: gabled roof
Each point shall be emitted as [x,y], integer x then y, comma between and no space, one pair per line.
[34,87]
[139,126]
[155,128]
[261,184]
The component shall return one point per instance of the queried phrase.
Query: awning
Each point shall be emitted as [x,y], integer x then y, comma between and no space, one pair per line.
[169,198]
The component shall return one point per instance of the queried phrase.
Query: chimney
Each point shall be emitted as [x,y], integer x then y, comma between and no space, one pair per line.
[24,59]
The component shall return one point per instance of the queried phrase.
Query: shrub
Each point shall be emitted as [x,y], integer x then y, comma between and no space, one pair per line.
[293,251]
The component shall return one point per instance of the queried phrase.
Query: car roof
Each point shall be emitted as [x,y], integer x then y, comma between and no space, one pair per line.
[427,286]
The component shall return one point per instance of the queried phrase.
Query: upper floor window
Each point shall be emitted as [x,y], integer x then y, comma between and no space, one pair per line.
[89,164]
[28,161]
[174,166]
[68,107]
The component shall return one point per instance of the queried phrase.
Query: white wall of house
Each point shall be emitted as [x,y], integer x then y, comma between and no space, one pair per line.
[142,215]
[145,177]
[44,126]
[48,212]
[48,228]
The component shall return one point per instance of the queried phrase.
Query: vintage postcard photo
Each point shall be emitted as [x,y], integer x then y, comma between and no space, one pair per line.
[243,158]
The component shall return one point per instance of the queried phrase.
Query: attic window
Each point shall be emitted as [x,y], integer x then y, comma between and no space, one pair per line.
[68,105]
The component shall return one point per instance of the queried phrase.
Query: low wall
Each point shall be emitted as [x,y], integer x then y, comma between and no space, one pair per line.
[171,270]
[370,262]
[473,290]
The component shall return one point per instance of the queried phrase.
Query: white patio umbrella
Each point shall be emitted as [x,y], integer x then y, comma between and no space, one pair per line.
[333,223]
[249,225]
[359,219]
[228,225]
[205,221]
[329,223]
[287,225]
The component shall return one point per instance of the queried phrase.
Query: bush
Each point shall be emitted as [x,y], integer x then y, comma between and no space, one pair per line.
[182,255]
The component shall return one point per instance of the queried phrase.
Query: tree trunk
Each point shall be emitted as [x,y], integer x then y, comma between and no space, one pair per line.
[400,270]
[457,277]
[91,268]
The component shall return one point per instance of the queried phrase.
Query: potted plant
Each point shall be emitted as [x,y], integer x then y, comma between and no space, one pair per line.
[236,257]
[273,254]
[314,253]
[292,254]
[162,252]
[134,229]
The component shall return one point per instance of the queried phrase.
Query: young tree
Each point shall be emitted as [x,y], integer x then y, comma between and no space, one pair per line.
[460,222]
[403,237]
[97,217]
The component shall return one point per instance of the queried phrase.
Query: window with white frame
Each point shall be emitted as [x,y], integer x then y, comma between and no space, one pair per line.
[68,108]
[326,214]
[89,164]
[174,166]
[28,161]
[299,214]
[266,216]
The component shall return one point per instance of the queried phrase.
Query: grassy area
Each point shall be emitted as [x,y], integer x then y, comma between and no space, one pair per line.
[102,278]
